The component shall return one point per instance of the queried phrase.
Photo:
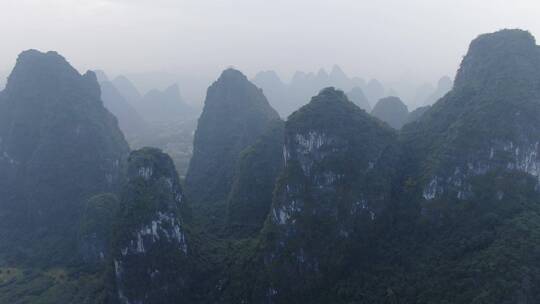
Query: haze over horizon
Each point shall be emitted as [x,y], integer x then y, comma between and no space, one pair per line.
[277,152]
[197,39]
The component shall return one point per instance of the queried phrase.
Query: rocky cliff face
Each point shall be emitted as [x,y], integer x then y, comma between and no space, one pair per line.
[444,211]
[328,194]
[361,214]
[487,123]
[152,245]
[474,157]
[235,114]
[58,146]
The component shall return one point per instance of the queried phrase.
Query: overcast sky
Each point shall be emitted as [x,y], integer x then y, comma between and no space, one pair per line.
[387,39]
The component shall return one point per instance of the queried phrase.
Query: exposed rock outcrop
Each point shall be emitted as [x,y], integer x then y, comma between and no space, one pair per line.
[151,248]
[327,194]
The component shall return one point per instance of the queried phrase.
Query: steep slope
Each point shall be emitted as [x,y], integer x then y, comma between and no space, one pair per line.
[449,213]
[474,155]
[443,86]
[256,173]
[96,228]
[417,113]
[452,217]
[275,90]
[3,78]
[392,111]
[127,89]
[129,120]
[235,114]
[445,211]
[357,96]
[488,121]
[101,76]
[151,246]
[58,147]
[334,189]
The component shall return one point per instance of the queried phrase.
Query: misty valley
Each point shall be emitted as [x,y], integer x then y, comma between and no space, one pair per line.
[324,188]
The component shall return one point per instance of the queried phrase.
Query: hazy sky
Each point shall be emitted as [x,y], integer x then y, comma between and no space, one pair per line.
[387,39]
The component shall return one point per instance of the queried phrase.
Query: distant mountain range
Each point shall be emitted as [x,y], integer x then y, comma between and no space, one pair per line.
[332,205]
[155,107]
[287,97]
